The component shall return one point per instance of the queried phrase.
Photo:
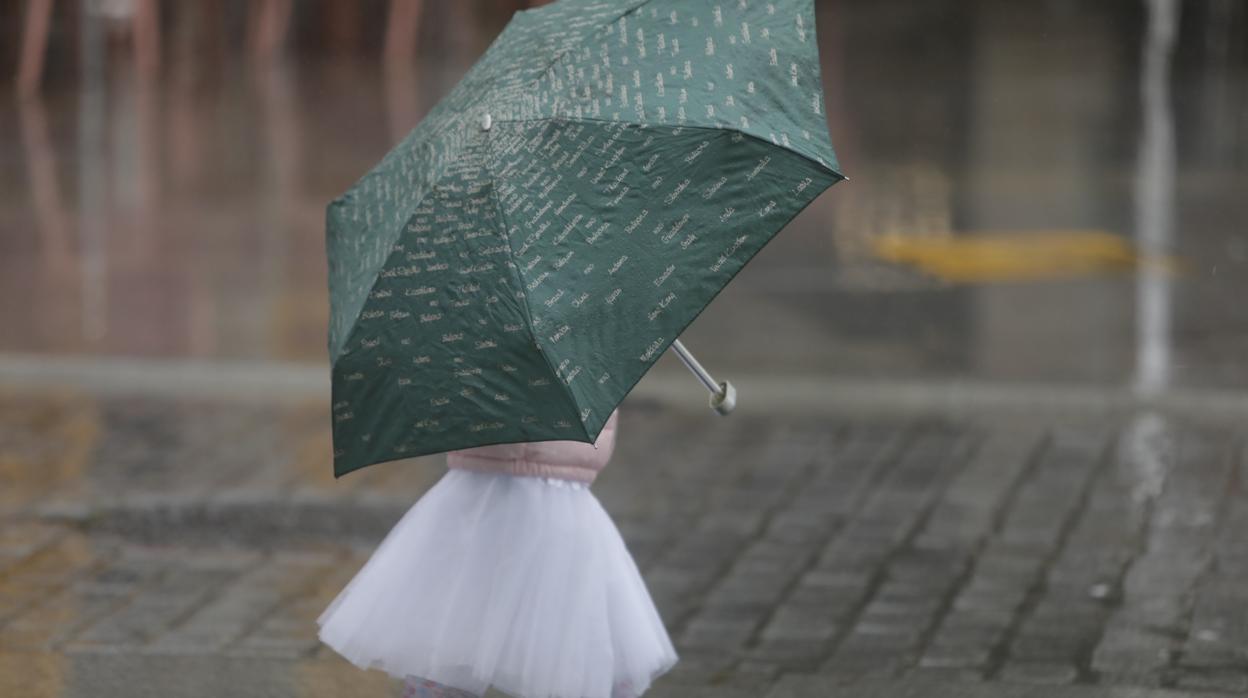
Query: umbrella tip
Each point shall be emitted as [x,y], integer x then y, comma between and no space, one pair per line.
[725,401]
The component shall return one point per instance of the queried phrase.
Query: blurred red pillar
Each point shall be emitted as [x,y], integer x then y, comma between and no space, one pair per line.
[34,45]
[146,37]
[269,23]
[402,27]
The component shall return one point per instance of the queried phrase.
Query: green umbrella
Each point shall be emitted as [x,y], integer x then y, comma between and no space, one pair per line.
[517,263]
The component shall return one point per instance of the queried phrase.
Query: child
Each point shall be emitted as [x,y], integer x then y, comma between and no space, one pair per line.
[507,573]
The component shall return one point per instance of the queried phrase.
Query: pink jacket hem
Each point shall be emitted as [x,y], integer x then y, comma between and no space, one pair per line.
[565,460]
[522,468]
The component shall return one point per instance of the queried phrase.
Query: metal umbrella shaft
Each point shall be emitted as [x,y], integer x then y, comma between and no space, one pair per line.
[723,395]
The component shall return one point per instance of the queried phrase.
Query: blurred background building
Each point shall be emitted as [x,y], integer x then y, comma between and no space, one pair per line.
[1040,191]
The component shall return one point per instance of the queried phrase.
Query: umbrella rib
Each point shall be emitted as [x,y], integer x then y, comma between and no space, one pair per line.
[349,334]
[528,310]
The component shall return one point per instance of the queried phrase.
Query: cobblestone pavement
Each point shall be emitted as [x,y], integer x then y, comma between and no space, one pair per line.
[171,547]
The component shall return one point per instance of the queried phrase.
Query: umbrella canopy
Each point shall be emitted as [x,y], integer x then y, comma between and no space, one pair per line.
[517,263]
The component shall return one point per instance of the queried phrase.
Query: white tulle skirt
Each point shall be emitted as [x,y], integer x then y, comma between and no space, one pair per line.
[520,583]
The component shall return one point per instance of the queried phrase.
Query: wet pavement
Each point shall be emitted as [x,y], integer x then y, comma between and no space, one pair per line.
[798,555]
[999,450]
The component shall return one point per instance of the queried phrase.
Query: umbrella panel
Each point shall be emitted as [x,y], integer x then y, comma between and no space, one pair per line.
[546,272]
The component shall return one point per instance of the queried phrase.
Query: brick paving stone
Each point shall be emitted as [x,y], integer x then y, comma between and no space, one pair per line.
[791,654]
[702,547]
[21,538]
[1008,564]
[956,656]
[740,525]
[47,566]
[1222,681]
[949,675]
[759,669]
[674,610]
[1032,646]
[1129,652]
[708,631]
[1078,621]
[48,624]
[896,638]
[676,690]
[807,519]
[155,607]
[672,579]
[878,616]
[908,594]
[240,606]
[1045,673]
[957,632]
[764,557]
[834,592]
[989,600]
[76,600]
[699,667]
[848,553]
[17,599]
[1217,619]
[859,662]
[801,623]
[750,589]
[931,566]
[836,579]
[1200,655]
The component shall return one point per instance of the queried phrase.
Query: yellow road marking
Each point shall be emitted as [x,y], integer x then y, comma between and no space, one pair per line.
[1018,256]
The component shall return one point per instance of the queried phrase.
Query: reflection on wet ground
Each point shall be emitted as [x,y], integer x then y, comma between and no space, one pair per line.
[183,216]
[1084,554]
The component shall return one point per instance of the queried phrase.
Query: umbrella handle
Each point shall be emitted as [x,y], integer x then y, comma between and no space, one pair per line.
[723,394]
